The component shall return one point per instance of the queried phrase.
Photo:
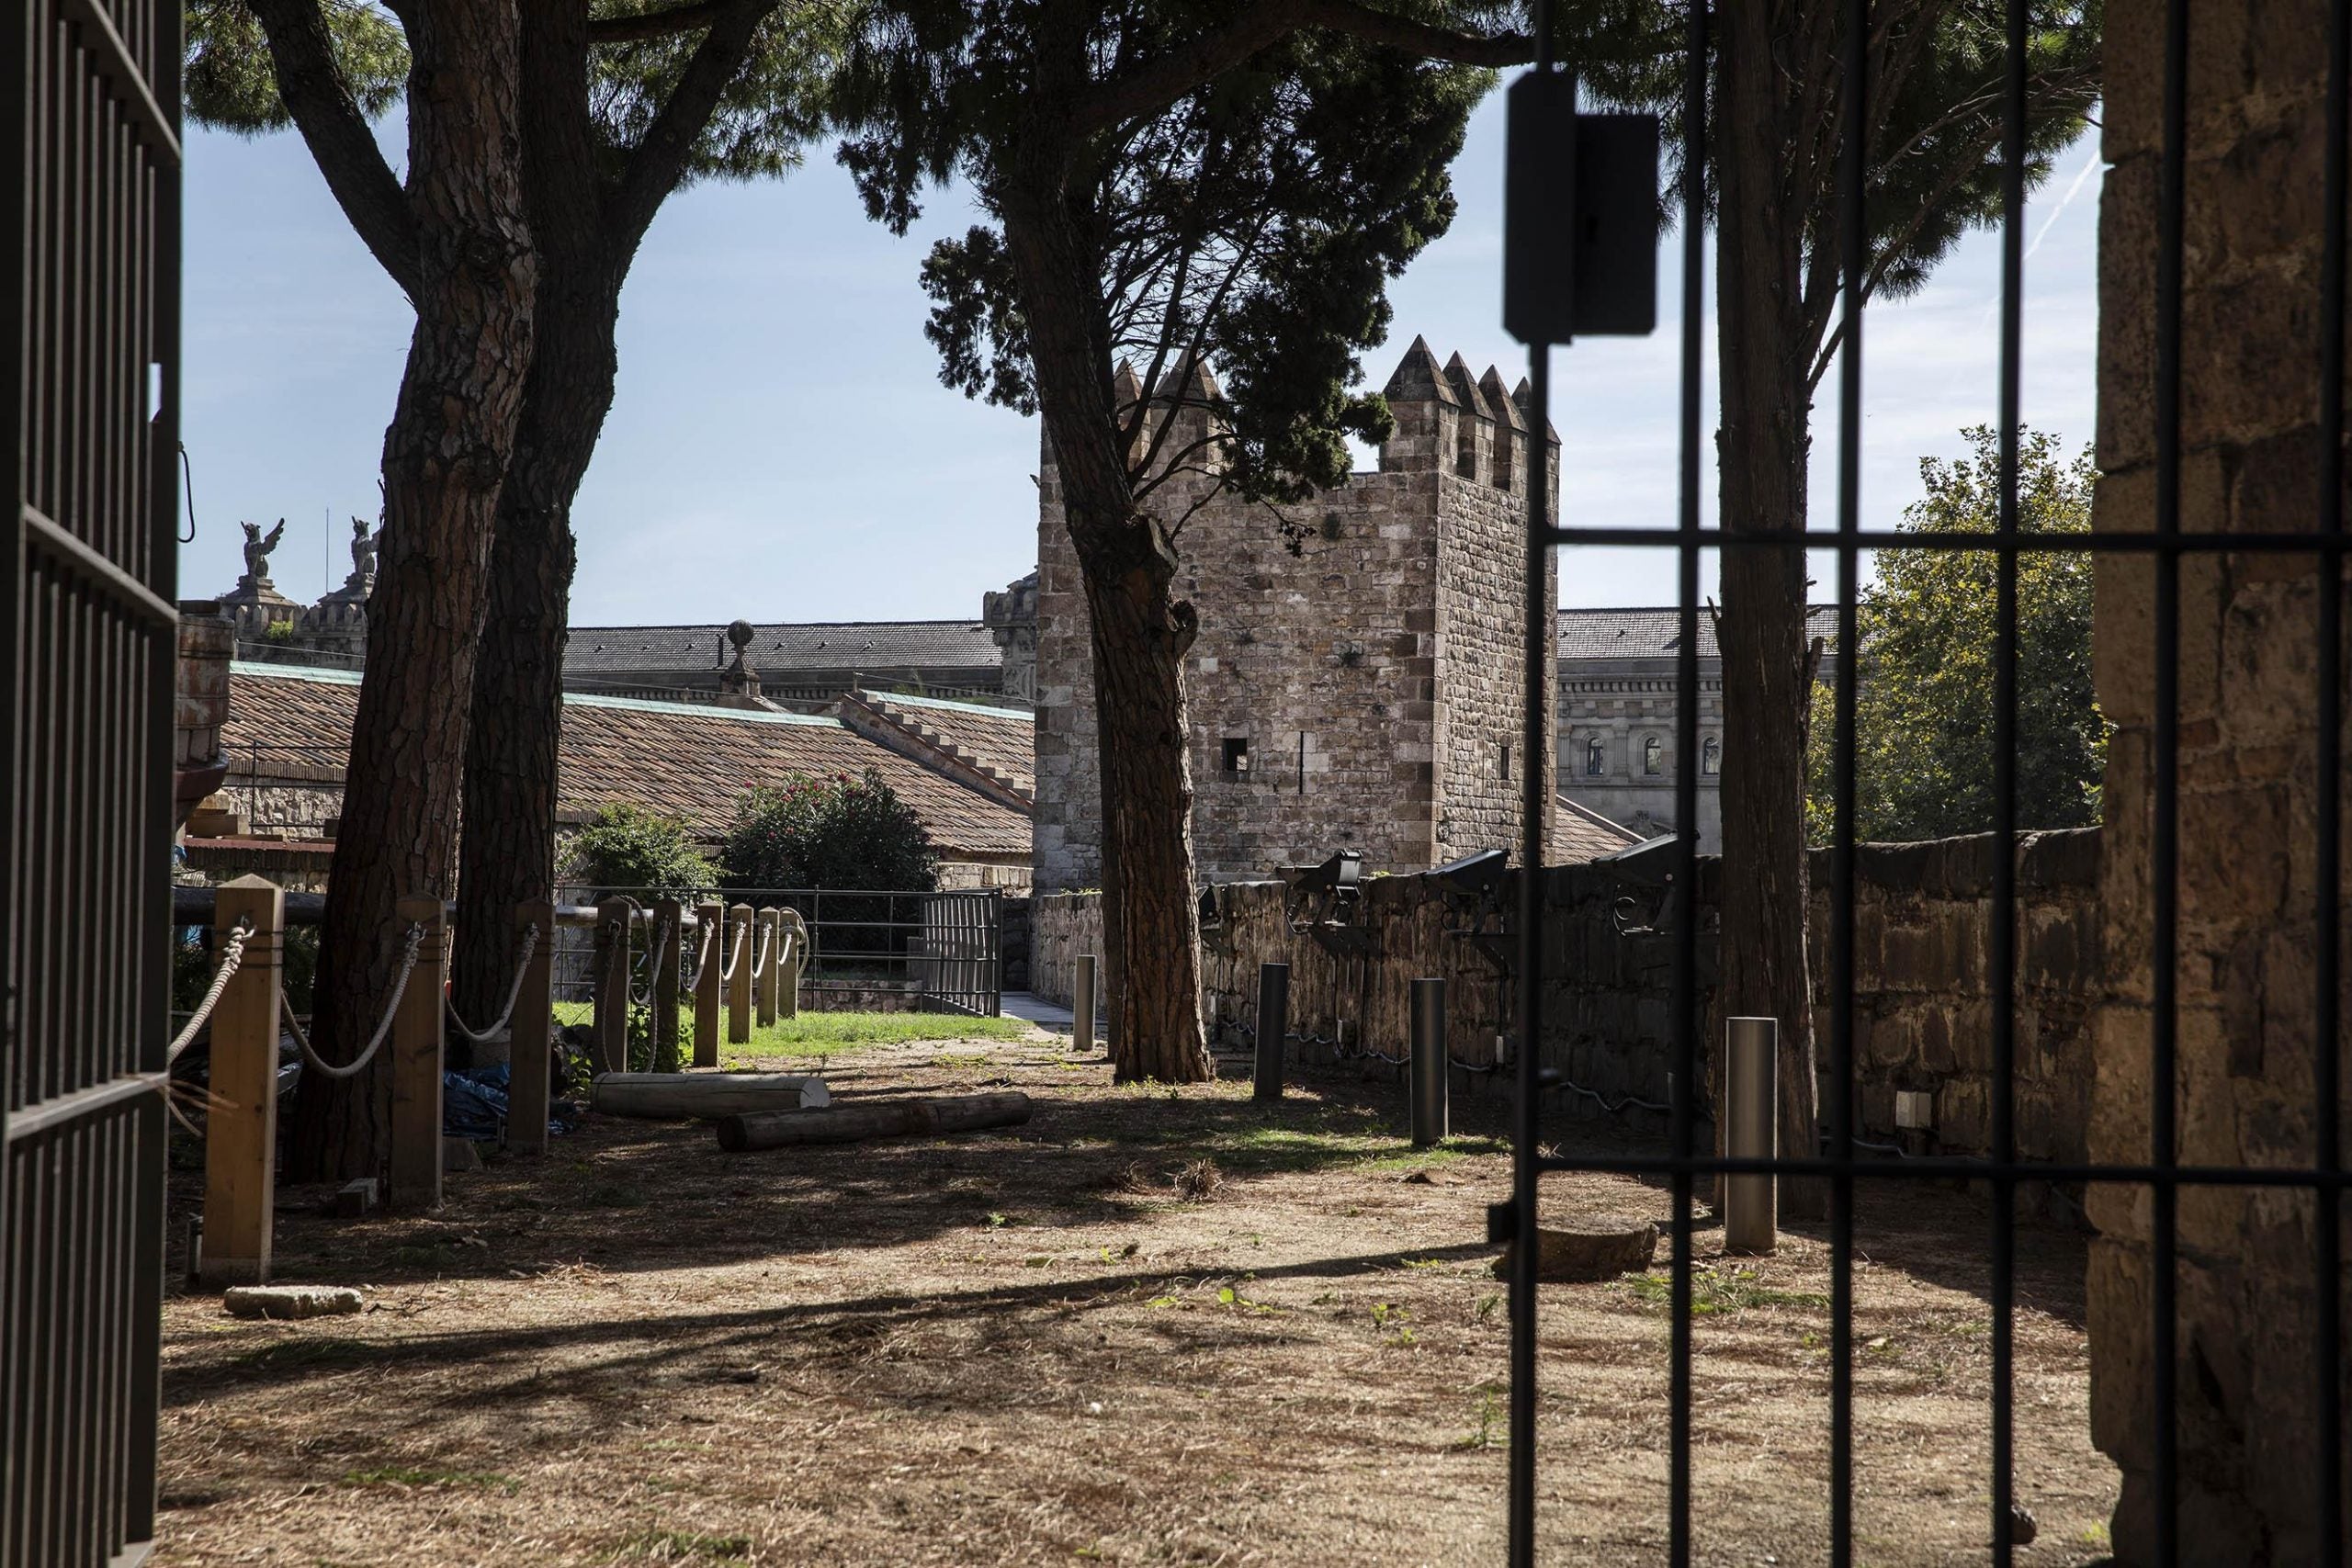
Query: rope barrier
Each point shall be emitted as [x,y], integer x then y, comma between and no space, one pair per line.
[702,959]
[514,993]
[764,956]
[734,957]
[652,964]
[232,954]
[383,1029]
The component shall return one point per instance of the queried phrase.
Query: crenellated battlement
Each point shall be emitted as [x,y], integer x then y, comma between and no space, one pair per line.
[1450,422]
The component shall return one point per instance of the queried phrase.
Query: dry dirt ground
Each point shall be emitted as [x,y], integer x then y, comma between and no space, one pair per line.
[1041,1346]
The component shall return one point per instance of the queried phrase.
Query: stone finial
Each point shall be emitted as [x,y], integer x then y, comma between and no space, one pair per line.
[740,679]
[1126,387]
[1417,378]
[1499,401]
[1474,456]
[1464,386]
[1520,396]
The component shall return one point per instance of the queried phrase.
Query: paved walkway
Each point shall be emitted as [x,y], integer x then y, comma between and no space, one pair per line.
[1044,1014]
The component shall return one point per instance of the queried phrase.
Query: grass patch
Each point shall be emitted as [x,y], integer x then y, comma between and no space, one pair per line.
[832,1033]
[1267,1149]
[1720,1293]
[686,1546]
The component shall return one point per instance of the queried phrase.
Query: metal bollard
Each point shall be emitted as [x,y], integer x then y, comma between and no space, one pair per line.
[1082,1006]
[1429,1063]
[1751,1128]
[1273,1028]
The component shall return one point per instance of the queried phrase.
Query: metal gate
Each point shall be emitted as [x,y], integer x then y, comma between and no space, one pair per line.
[955,952]
[90,141]
[2161,1174]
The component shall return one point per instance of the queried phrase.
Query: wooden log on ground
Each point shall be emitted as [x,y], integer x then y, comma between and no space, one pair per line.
[877,1119]
[683,1095]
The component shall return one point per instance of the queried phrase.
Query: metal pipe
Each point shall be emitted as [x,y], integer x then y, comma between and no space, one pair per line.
[1083,1003]
[1751,1128]
[1273,1027]
[1429,1063]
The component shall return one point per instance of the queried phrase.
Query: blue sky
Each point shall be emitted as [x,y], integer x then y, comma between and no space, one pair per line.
[780,447]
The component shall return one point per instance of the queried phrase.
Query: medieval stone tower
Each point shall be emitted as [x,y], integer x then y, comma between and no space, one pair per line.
[1364,693]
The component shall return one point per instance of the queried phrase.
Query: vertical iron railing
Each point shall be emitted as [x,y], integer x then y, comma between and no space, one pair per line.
[2162,1173]
[89,395]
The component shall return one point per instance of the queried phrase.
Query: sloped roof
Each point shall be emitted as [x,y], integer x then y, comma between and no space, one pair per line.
[779,650]
[999,742]
[692,761]
[1655,633]
[1581,834]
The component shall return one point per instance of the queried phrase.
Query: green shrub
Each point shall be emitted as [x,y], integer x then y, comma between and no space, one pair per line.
[835,831]
[635,847]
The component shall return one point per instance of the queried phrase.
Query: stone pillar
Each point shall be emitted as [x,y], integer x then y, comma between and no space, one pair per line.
[2247,1410]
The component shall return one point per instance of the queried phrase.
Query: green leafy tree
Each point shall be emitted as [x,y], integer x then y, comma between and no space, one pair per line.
[841,830]
[632,847]
[1923,701]
[1932,170]
[580,125]
[1168,186]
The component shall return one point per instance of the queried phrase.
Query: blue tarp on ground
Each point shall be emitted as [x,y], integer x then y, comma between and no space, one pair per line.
[473,1104]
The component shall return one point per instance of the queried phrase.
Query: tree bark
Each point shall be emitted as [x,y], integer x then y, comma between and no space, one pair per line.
[1766,349]
[588,230]
[445,458]
[1140,632]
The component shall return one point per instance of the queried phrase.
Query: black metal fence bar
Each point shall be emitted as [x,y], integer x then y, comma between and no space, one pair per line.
[1842,1161]
[90,394]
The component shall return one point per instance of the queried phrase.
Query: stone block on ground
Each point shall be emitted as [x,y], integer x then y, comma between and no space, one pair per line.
[289,1301]
[1592,1249]
[460,1154]
[356,1198]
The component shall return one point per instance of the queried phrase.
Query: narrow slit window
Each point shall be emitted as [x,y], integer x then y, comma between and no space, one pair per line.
[1237,755]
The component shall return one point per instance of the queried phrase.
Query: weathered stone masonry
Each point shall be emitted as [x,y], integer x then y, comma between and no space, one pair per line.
[1922,1014]
[1364,693]
[2248,1409]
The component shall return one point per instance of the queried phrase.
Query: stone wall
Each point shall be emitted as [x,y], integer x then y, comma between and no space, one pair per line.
[1360,649]
[1922,1017]
[2247,777]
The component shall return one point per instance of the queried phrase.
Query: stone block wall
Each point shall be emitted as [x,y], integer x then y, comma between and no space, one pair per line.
[1361,648]
[1923,916]
[2247,1411]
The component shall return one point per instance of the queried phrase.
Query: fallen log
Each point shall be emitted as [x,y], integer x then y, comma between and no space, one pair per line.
[680,1095]
[877,1119]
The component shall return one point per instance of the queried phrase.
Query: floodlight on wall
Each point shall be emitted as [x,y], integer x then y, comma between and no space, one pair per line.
[1473,876]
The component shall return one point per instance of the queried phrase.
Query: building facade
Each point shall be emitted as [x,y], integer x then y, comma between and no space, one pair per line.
[1356,681]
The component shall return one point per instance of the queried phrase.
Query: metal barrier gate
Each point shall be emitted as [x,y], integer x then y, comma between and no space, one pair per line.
[91,388]
[2316,546]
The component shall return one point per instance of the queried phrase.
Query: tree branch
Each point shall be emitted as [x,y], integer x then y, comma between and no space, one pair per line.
[659,160]
[633,27]
[1147,89]
[313,90]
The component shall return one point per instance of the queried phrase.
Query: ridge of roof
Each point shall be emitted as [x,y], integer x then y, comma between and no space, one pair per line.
[1023,715]
[245,669]
[970,621]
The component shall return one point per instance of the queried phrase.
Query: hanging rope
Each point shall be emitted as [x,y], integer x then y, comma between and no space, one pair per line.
[765,956]
[734,957]
[514,992]
[652,965]
[233,953]
[701,958]
[383,1028]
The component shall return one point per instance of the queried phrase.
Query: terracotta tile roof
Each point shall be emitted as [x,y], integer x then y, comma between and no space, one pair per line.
[999,742]
[1581,834]
[777,651]
[692,761]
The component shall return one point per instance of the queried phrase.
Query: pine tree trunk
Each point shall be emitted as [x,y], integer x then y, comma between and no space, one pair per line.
[507,853]
[1765,349]
[445,460]
[1140,631]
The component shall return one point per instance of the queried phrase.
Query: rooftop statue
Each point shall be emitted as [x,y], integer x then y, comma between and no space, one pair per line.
[257,549]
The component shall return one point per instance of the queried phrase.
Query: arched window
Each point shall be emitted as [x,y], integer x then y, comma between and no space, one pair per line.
[1711,756]
[1653,754]
[1595,757]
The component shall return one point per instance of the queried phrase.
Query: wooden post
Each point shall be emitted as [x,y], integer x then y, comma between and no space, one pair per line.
[771,938]
[611,986]
[713,918]
[240,1129]
[739,987]
[532,1030]
[670,925]
[795,930]
[415,1046]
